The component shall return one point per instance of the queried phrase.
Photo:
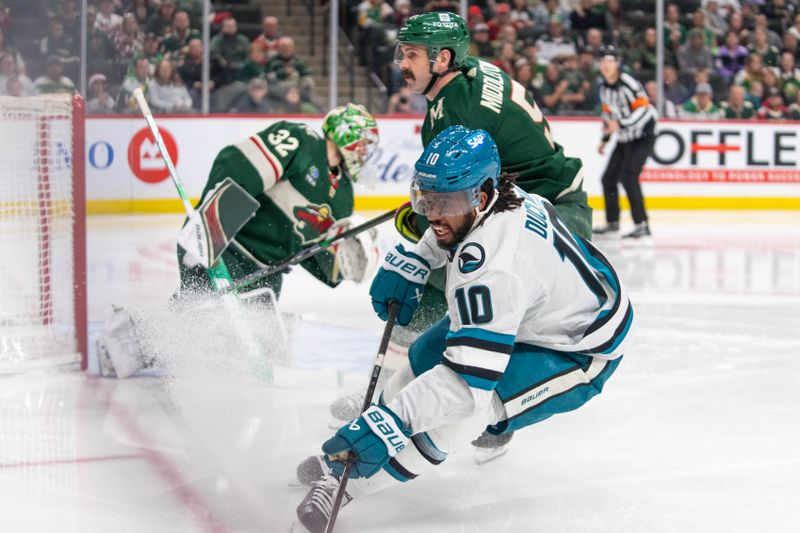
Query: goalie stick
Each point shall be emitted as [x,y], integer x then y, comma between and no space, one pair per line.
[306,253]
[373,382]
[218,272]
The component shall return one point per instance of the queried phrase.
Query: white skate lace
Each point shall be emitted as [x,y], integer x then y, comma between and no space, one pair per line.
[323,493]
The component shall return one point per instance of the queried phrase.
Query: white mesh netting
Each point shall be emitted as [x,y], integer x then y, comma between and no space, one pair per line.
[37,314]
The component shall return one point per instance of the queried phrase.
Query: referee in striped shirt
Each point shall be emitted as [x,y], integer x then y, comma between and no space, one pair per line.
[627,112]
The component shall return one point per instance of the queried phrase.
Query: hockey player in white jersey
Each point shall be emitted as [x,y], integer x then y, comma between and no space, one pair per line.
[537,322]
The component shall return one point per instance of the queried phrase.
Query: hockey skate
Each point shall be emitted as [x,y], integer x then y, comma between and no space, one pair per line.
[312,469]
[316,508]
[489,447]
[608,229]
[641,229]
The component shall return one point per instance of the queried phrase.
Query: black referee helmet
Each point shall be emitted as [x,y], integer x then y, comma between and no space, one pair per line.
[610,51]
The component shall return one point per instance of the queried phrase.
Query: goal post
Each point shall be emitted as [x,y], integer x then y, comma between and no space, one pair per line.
[43,307]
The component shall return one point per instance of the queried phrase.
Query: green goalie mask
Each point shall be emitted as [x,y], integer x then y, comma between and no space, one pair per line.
[436,32]
[355,132]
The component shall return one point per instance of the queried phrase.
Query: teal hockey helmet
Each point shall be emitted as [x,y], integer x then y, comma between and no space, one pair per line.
[450,172]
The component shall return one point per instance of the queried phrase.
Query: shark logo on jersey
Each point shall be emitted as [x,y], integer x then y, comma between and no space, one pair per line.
[471,258]
[437,111]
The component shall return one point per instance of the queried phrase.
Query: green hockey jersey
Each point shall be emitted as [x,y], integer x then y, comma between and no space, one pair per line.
[484,97]
[285,168]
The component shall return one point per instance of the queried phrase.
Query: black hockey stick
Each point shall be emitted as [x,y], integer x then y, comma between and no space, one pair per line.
[305,253]
[373,383]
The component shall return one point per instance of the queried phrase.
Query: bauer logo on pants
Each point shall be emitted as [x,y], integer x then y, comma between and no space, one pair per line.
[144,158]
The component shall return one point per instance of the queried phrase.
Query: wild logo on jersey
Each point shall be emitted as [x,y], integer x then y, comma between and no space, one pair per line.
[312,221]
[437,111]
[471,258]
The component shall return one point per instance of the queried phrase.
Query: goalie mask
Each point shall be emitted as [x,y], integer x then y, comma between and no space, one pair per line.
[355,132]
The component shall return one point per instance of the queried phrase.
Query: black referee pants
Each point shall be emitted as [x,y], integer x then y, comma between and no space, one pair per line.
[624,167]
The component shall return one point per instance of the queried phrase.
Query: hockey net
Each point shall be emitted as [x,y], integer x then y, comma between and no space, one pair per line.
[42,233]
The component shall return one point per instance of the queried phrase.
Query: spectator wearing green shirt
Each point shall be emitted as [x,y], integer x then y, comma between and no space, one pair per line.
[552,90]
[701,106]
[753,71]
[760,45]
[285,71]
[161,21]
[140,77]
[177,42]
[151,52]
[789,76]
[673,24]
[699,23]
[231,47]
[54,80]
[642,55]
[794,109]
[736,107]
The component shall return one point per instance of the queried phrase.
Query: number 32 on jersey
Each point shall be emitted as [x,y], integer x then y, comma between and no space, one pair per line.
[283,142]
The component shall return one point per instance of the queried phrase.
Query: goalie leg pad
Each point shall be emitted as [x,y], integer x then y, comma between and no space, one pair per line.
[120,352]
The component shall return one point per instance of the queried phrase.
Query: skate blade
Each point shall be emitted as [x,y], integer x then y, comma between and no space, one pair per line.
[487,455]
[297,527]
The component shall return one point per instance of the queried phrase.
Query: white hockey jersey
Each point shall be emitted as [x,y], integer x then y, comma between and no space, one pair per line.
[520,277]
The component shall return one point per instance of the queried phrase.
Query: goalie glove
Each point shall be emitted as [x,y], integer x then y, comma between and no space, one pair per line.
[356,257]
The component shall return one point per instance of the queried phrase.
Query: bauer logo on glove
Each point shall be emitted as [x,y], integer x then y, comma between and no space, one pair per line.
[401,279]
[371,439]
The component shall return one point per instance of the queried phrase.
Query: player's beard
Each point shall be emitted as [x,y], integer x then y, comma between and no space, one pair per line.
[458,232]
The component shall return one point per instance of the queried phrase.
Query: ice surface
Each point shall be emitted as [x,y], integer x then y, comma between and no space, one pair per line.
[697,431]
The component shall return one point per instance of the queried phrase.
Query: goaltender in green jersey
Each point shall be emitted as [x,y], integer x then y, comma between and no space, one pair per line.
[304,184]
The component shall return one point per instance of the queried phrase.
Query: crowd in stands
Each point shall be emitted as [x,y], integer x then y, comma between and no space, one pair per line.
[156,45]
[723,58]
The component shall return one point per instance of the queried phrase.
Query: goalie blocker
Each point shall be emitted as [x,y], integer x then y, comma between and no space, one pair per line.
[211,227]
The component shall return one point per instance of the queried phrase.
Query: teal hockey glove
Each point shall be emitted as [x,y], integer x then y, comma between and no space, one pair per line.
[401,279]
[371,440]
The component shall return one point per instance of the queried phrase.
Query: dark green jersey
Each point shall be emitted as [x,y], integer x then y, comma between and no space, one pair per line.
[285,167]
[482,96]
[746,111]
